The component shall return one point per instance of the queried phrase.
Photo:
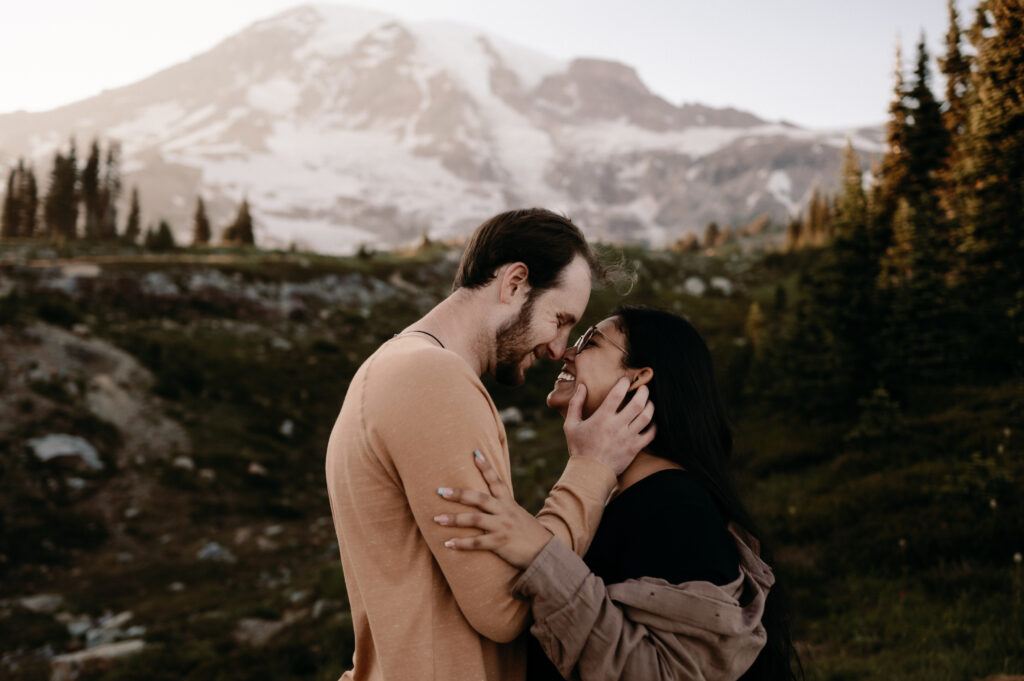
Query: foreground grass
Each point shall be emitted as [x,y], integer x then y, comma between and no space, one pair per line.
[897,546]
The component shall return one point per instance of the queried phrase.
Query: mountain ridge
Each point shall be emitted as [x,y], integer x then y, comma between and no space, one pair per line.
[345,127]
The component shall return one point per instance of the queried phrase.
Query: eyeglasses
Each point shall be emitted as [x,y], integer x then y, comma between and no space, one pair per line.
[583,340]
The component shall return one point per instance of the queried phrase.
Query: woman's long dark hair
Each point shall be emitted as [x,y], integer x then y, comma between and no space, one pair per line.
[694,432]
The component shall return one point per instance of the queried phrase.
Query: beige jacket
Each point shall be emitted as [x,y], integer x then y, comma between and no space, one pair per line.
[647,628]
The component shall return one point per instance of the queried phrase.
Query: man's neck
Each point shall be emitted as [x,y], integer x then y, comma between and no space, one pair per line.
[457,322]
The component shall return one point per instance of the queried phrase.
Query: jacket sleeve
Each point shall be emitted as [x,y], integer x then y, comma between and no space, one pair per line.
[429,417]
[583,630]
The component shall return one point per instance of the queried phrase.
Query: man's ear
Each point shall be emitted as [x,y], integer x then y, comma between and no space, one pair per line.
[641,377]
[512,282]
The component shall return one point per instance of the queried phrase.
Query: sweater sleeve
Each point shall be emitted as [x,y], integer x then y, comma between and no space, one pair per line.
[582,630]
[426,415]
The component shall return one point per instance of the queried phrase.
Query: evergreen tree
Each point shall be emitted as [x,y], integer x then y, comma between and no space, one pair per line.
[816,228]
[852,205]
[755,326]
[839,309]
[240,231]
[10,227]
[60,206]
[928,143]
[132,227]
[895,163]
[990,180]
[110,193]
[711,233]
[161,239]
[200,225]
[927,137]
[956,67]
[89,187]
[916,348]
[794,233]
[29,203]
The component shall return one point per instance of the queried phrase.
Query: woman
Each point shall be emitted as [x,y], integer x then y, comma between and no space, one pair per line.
[672,585]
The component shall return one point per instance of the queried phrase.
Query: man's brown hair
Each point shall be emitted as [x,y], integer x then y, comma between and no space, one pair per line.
[544,241]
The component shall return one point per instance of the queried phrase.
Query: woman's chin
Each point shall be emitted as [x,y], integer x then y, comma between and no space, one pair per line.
[558,398]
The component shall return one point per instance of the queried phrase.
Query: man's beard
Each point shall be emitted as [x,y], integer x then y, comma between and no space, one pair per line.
[509,341]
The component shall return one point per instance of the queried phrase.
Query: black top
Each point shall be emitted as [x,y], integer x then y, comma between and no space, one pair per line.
[665,525]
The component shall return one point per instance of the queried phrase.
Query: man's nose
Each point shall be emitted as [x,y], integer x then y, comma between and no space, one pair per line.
[556,348]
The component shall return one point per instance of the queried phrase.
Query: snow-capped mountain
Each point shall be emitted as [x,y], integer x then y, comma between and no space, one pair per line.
[347,126]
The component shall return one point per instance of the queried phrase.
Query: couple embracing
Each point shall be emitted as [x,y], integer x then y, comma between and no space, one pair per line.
[642,563]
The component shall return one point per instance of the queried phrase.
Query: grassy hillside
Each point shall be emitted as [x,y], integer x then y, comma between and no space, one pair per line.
[896,526]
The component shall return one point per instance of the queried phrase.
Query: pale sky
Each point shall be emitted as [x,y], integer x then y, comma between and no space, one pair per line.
[817,63]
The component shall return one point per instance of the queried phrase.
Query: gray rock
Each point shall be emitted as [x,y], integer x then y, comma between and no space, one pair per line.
[67,667]
[722,285]
[511,416]
[42,603]
[526,434]
[695,286]
[185,463]
[78,625]
[257,469]
[159,284]
[279,343]
[213,551]
[61,445]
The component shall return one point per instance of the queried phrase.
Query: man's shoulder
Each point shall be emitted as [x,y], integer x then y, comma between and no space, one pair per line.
[403,363]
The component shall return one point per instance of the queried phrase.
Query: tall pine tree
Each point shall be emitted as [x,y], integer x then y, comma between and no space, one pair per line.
[133,228]
[10,219]
[60,207]
[240,231]
[89,187]
[894,169]
[990,179]
[110,193]
[200,225]
[29,202]
[956,68]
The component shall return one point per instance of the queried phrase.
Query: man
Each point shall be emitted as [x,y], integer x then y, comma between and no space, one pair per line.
[415,412]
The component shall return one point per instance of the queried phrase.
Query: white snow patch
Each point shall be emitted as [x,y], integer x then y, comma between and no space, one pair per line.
[523,149]
[781,187]
[149,125]
[278,95]
[529,65]
[339,29]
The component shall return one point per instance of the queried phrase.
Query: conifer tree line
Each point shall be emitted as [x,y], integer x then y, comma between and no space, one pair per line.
[917,280]
[81,203]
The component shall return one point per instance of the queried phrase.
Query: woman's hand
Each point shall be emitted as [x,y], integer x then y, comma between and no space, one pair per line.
[508,529]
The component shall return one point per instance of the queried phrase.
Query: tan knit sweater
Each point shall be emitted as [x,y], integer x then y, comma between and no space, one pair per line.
[411,419]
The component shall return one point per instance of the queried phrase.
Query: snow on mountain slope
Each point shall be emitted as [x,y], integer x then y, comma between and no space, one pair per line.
[345,126]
